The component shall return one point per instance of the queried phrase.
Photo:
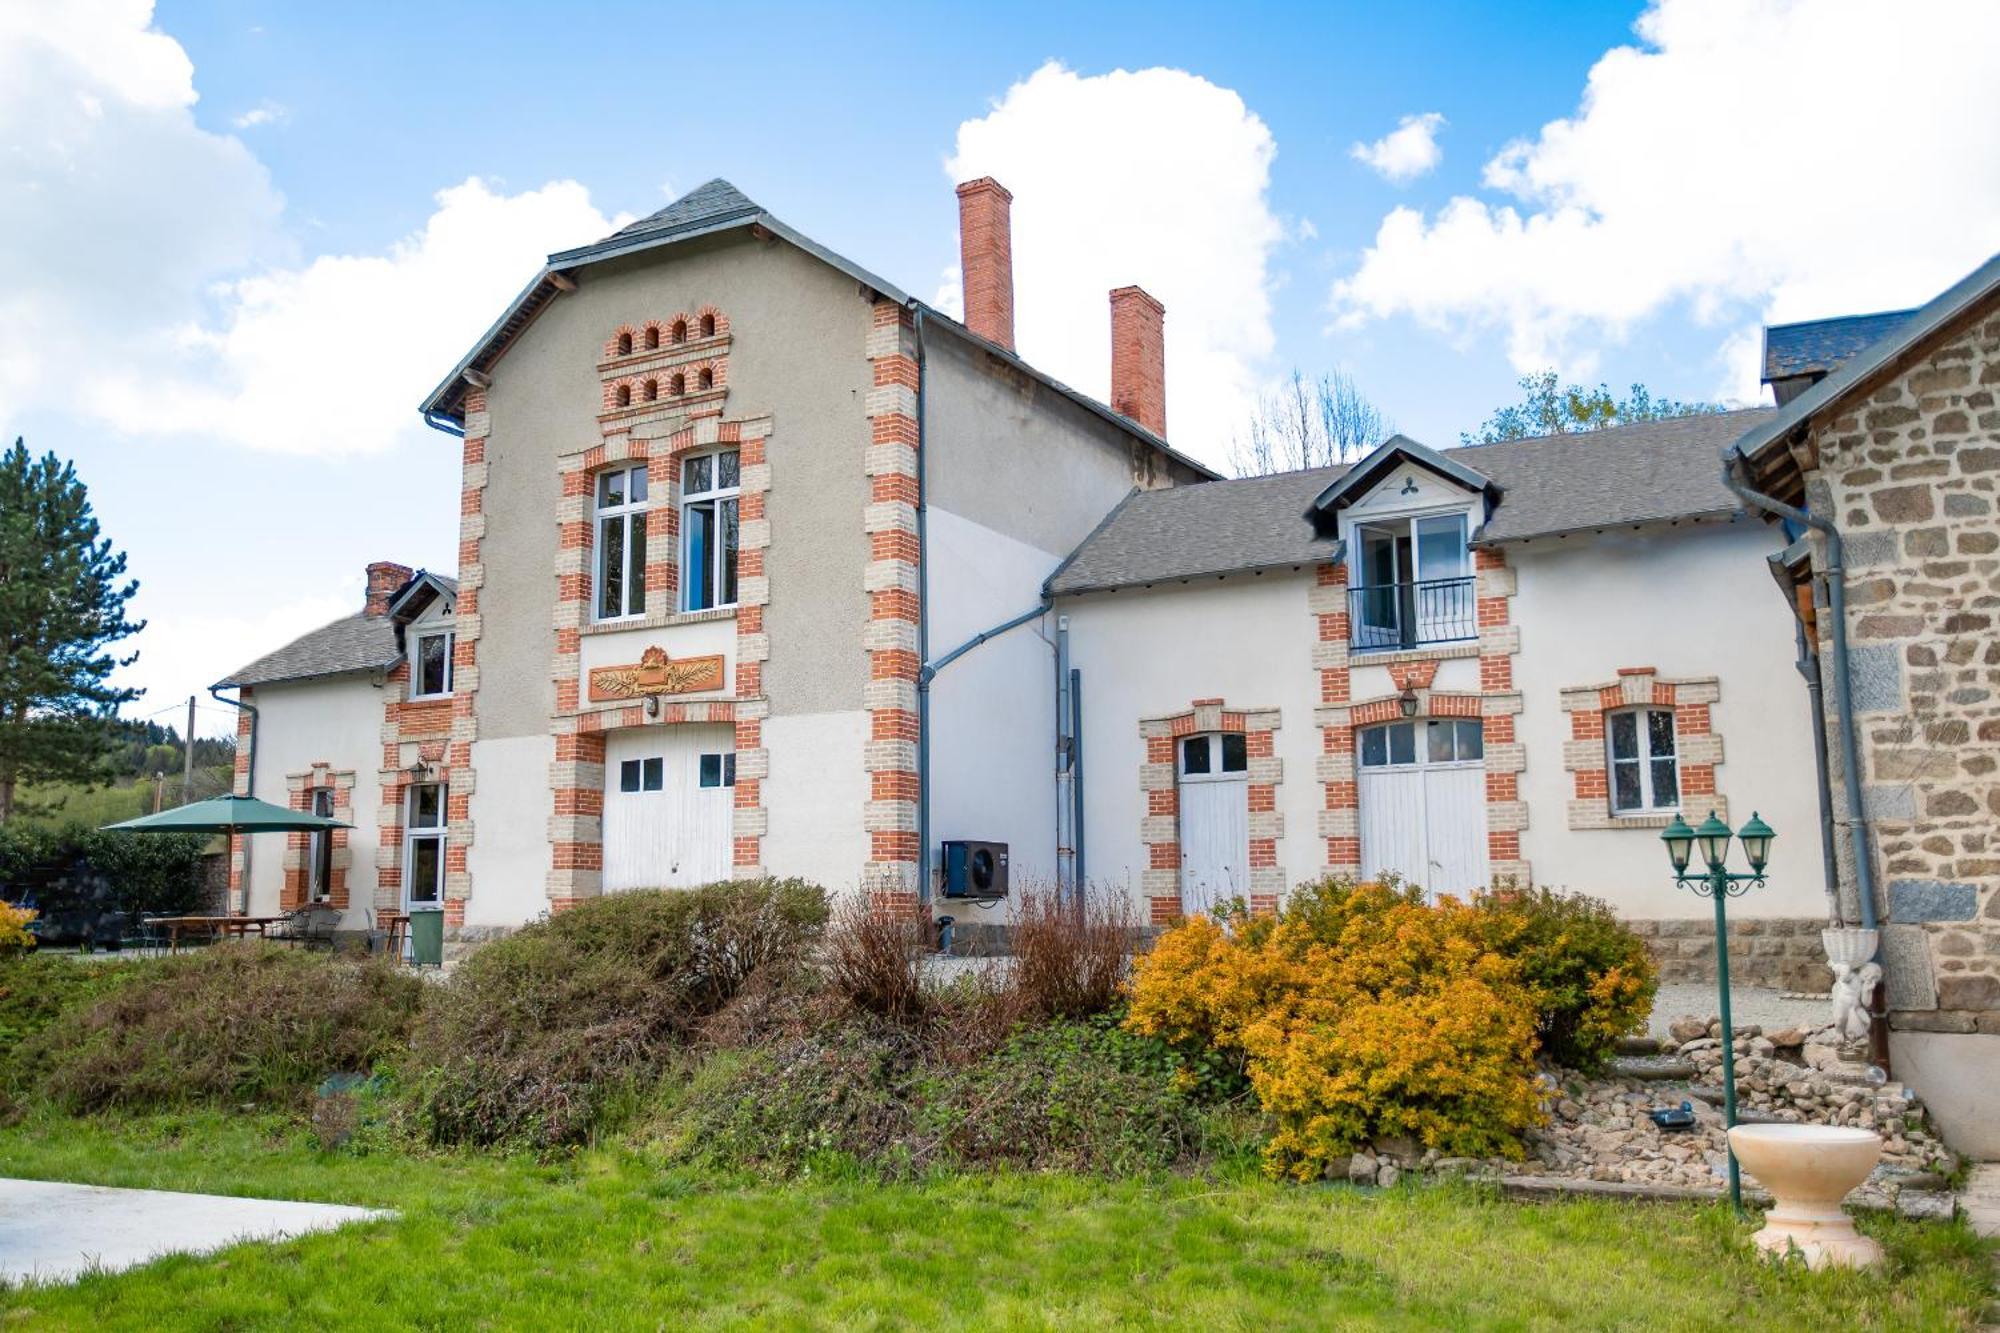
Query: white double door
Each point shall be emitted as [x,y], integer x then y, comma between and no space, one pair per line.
[669,807]
[1423,804]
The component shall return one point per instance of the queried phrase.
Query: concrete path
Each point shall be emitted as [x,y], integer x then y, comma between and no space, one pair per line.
[53,1232]
[1768,1009]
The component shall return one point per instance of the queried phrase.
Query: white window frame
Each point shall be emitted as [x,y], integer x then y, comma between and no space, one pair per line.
[417,690]
[627,516]
[414,833]
[1216,771]
[717,496]
[1645,759]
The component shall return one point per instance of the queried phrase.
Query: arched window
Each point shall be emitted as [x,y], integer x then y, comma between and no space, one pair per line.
[708,326]
[680,385]
[624,344]
[680,330]
[652,390]
[652,336]
[624,395]
[706,379]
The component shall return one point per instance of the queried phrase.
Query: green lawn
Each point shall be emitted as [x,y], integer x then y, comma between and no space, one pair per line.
[608,1240]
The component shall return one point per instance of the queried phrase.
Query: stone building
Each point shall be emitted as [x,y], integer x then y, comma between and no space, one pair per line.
[1884,463]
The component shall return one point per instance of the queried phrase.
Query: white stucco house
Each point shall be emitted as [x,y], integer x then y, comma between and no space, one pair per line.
[767,567]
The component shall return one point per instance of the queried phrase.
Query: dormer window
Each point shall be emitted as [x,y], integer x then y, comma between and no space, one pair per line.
[1414,582]
[430,665]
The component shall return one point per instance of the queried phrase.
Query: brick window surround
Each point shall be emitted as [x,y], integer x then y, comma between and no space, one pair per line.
[300,788]
[1697,748]
[1496,704]
[576,820]
[1159,826]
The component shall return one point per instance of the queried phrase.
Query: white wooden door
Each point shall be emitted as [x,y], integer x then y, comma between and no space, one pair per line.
[1423,803]
[669,798]
[1213,771]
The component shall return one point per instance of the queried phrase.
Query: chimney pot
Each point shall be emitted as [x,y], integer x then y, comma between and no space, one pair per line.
[384,578]
[986,258]
[1139,358]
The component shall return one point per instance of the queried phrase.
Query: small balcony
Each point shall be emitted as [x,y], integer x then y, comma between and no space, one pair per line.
[1390,616]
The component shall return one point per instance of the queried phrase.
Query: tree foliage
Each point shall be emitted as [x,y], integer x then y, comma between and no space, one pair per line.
[1550,407]
[1310,423]
[63,594]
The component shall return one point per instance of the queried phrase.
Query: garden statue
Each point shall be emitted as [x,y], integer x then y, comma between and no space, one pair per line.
[1851,988]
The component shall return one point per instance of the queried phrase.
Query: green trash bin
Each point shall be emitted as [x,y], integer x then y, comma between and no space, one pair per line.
[427,936]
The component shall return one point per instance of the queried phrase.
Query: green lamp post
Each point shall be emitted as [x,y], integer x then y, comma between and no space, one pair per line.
[1719,883]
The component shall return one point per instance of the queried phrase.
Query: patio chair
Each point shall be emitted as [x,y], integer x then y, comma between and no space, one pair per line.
[292,929]
[318,926]
[144,935]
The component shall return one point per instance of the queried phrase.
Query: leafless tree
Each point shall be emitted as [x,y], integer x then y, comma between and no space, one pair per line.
[1309,423]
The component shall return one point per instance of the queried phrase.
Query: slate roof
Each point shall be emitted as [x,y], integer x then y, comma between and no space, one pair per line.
[358,642]
[353,643]
[1819,346]
[1652,471]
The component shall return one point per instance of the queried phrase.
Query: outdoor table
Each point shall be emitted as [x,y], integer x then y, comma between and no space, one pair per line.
[231,925]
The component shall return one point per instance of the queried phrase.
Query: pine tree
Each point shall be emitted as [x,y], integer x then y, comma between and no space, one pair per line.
[62,605]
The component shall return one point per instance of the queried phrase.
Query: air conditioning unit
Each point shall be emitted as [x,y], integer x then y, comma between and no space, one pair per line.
[975,870]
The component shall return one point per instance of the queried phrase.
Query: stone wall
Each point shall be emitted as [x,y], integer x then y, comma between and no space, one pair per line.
[1911,473]
[1778,953]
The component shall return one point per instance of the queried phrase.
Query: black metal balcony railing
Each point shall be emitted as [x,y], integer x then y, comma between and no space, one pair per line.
[1409,615]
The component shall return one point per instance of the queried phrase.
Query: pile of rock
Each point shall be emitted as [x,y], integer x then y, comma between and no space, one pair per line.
[1599,1128]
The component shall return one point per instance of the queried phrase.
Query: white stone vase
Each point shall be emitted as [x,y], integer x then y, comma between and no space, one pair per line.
[1809,1169]
[1849,946]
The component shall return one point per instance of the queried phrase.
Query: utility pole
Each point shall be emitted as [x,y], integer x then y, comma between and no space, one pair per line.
[187,758]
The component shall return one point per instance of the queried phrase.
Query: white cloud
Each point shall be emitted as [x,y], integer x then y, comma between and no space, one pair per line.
[1155,177]
[361,338]
[1781,159]
[1406,152]
[125,224]
[264,113]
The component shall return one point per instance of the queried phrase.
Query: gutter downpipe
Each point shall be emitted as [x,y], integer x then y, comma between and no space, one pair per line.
[924,670]
[249,778]
[1835,575]
[1808,667]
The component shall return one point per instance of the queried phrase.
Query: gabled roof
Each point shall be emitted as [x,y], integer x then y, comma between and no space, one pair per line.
[1771,468]
[1820,346]
[1389,455]
[1551,486]
[359,642]
[1212,528]
[709,209]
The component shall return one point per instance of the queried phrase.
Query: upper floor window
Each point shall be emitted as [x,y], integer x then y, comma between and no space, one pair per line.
[709,487]
[1645,765]
[1415,583]
[430,670]
[621,542]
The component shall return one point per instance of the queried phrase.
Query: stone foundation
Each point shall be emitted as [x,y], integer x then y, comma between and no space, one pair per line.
[1778,953]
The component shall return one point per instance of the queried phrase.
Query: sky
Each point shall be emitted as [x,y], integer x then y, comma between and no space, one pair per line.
[245,238]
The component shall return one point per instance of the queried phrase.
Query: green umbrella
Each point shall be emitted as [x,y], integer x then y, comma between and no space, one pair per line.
[229,814]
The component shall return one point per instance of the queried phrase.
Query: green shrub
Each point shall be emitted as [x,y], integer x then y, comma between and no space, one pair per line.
[1592,978]
[36,990]
[539,1034]
[155,872]
[1078,1096]
[234,1023]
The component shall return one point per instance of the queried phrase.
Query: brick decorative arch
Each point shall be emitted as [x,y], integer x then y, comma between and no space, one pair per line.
[1696,745]
[1159,827]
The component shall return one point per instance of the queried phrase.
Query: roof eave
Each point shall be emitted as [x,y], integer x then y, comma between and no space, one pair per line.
[1481,539]
[1331,556]
[239,682]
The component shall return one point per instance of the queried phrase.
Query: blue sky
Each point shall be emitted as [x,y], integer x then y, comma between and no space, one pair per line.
[227,200]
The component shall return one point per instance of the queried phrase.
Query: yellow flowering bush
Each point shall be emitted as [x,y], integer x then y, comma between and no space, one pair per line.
[14,936]
[1360,1011]
[1592,979]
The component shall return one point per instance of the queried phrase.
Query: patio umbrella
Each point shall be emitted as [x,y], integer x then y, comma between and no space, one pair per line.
[229,814]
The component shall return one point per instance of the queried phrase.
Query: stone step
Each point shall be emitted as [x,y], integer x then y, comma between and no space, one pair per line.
[1638,1046]
[1653,1069]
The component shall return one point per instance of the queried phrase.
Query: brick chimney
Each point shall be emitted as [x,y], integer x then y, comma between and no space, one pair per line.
[384,578]
[1139,358]
[986,258]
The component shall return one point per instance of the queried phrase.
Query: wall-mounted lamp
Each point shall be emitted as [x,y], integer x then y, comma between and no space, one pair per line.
[1408,701]
[652,705]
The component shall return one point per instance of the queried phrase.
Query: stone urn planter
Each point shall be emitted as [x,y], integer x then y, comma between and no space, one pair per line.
[1809,1169]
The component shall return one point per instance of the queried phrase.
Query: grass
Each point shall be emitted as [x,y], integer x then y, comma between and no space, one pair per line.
[606,1238]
